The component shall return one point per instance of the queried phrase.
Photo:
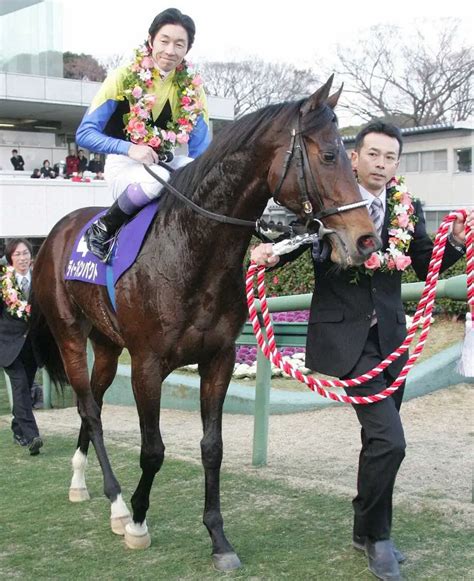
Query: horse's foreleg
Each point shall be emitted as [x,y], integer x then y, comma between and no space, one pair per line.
[215,377]
[146,382]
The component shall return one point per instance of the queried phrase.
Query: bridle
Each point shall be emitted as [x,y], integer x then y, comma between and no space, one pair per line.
[297,150]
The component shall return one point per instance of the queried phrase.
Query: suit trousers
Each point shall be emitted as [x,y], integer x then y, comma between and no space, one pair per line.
[22,374]
[383,447]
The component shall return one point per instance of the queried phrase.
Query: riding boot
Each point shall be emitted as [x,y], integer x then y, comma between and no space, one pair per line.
[101,234]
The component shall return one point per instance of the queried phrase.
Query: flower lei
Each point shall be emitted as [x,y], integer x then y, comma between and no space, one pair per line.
[140,77]
[402,220]
[11,294]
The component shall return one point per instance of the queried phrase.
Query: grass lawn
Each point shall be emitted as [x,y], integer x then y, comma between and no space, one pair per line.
[278,532]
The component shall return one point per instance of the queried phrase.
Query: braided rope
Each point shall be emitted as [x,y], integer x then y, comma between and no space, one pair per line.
[424,309]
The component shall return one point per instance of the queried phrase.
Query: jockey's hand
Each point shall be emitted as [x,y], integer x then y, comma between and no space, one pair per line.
[459,226]
[143,154]
[263,255]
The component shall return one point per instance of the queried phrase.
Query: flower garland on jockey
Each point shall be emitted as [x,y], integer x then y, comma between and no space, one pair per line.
[402,220]
[140,77]
[11,294]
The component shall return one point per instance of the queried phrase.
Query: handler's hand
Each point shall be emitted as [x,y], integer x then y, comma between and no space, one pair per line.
[263,255]
[459,228]
[143,154]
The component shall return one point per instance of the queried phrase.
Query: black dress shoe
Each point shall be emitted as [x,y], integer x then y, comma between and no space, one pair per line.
[358,543]
[19,440]
[382,562]
[35,445]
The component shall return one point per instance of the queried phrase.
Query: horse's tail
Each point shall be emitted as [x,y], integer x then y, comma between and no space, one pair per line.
[45,345]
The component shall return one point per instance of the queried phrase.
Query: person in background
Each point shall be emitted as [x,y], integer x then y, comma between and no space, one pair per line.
[357,320]
[140,114]
[36,173]
[72,164]
[96,166]
[17,161]
[82,162]
[47,171]
[17,354]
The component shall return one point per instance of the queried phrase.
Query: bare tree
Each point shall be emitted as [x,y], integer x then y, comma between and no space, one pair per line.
[82,66]
[254,83]
[414,80]
[114,61]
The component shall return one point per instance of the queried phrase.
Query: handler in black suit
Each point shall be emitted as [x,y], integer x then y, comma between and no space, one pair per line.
[16,351]
[356,320]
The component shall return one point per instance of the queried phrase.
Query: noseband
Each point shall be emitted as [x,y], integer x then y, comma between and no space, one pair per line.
[297,151]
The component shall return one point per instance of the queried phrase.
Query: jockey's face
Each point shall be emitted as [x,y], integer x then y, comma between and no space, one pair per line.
[377,161]
[169,47]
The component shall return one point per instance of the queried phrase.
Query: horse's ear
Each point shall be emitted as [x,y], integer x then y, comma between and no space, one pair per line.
[317,98]
[334,98]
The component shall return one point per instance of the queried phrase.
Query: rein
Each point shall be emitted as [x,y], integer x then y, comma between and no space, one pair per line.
[424,309]
[297,149]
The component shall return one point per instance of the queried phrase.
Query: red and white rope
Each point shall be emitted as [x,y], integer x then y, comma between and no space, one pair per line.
[424,309]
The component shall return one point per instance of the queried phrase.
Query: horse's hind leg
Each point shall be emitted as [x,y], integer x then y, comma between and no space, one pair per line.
[104,370]
[215,377]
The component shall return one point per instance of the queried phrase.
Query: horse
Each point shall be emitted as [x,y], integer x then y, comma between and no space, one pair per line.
[183,300]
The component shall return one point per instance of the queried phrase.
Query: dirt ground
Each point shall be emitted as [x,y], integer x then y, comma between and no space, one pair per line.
[319,449]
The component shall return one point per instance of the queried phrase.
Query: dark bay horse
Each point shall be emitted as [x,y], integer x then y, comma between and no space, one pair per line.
[183,301]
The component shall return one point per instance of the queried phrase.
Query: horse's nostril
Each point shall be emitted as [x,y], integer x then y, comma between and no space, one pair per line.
[368,244]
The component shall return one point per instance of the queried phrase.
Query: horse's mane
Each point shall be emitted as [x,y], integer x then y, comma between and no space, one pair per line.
[242,133]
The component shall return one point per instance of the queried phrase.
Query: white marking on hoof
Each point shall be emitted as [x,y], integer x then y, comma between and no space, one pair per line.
[78,494]
[137,536]
[119,516]
[78,489]
[226,561]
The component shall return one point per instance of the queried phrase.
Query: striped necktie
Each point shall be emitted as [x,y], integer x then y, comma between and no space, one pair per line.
[25,286]
[376,213]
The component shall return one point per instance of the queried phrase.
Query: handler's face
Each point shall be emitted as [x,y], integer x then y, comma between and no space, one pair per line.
[377,161]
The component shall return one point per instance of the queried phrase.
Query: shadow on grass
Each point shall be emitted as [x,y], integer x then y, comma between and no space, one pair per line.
[278,532]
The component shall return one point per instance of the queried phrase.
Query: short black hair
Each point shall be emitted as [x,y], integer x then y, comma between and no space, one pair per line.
[173,16]
[14,150]
[13,245]
[379,127]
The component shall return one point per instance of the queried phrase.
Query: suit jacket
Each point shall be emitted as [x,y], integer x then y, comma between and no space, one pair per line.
[13,334]
[341,311]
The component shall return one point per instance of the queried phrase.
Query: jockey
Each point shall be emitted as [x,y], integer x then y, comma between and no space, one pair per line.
[140,114]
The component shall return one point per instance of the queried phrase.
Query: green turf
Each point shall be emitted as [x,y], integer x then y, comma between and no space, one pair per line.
[278,532]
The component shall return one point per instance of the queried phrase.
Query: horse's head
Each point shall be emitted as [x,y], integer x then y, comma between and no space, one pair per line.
[312,176]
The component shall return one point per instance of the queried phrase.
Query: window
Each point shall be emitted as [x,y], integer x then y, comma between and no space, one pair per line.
[409,162]
[434,160]
[463,160]
[433,219]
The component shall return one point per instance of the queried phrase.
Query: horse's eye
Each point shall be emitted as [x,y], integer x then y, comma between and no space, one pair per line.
[329,157]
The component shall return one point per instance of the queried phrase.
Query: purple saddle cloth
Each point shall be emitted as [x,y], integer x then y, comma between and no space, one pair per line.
[86,267]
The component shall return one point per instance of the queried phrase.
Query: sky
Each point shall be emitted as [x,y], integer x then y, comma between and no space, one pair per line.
[301,32]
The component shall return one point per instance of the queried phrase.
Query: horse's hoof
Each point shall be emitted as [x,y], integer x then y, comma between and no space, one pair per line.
[118,524]
[78,494]
[226,561]
[137,536]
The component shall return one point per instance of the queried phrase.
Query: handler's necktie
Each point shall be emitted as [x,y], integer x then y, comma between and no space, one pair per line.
[377,215]
[25,286]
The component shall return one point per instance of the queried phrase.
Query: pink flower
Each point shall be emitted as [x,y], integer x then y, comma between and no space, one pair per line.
[197,81]
[373,262]
[182,138]
[147,62]
[137,91]
[405,199]
[391,264]
[150,101]
[402,262]
[186,100]
[171,136]
[403,220]
[135,67]
[275,280]
[135,109]
[149,83]
[182,121]
[139,128]
[154,142]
